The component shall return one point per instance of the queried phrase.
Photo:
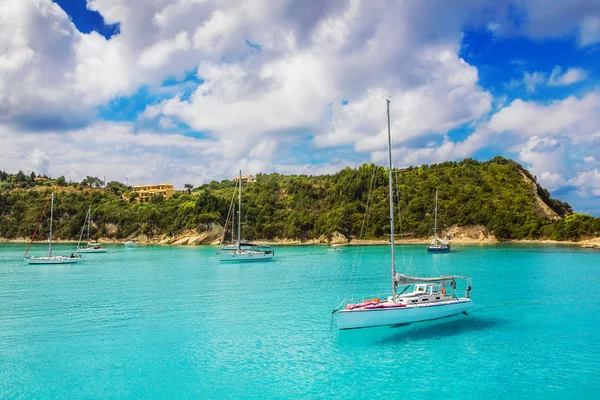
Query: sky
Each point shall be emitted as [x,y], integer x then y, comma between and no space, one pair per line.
[187,91]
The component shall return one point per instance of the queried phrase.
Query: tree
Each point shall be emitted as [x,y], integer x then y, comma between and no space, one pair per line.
[115,187]
[92,181]
[20,177]
[188,187]
[61,181]
[156,199]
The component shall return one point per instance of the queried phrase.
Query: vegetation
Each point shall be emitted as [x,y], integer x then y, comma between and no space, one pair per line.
[493,194]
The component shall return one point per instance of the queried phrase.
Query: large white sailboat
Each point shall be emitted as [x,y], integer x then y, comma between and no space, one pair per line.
[90,247]
[437,245]
[50,258]
[430,298]
[241,252]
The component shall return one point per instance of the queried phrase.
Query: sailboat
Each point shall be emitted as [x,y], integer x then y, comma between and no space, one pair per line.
[241,252]
[90,247]
[437,245]
[50,258]
[430,298]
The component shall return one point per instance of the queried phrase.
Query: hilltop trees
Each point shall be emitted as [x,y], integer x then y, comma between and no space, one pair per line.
[493,194]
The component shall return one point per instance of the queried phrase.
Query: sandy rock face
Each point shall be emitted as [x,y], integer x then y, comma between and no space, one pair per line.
[338,238]
[111,230]
[469,234]
[181,241]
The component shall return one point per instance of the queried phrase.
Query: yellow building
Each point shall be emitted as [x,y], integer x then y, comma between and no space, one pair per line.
[144,192]
[245,178]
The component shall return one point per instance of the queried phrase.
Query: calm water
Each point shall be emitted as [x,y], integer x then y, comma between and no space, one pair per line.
[158,322]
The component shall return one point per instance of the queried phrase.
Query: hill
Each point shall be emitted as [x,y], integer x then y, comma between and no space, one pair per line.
[499,195]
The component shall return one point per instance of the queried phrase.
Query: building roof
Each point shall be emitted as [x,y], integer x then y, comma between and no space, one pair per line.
[153,184]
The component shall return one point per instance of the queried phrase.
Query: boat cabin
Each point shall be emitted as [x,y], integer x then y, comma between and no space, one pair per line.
[425,294]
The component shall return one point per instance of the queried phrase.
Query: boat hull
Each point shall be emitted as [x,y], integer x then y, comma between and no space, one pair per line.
[438,249]
[355,319]
[51,260]
[245,257]
[91,251]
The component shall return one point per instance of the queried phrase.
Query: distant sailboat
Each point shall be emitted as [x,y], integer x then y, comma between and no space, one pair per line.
[437,245]
[131,243]
[242,252]
[90,247]
[50,258]
[429,298]
[334,248]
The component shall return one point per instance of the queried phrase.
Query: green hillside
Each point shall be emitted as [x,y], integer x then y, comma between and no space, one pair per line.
[498,194]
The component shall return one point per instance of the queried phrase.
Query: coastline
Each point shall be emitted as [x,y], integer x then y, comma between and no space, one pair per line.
[586,243]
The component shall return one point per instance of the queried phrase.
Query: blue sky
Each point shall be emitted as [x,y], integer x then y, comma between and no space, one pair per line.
[192,91]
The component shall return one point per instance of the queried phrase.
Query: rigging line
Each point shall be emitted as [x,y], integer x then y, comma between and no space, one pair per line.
[400,221]
[370,200]
[359,249]
[228,215]
[36,228]
[394,132]
[87,215]
[368,218]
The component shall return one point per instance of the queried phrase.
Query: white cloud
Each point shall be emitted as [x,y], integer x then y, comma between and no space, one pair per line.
[548,138]
[587,182]
[275,72]
[530,81]
[589,33]
[572,75]
[159,53]
[539,19]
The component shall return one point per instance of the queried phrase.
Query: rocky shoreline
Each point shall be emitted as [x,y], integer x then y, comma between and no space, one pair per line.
[467,235]
[207,240]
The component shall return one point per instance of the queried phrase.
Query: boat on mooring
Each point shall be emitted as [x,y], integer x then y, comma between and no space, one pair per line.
[241,252]
[430,297]
[334,248]
[437,245]
[90,247]
[50,258]
[131,243]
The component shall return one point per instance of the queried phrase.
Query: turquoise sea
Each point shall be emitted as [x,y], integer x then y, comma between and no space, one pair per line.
[171,322]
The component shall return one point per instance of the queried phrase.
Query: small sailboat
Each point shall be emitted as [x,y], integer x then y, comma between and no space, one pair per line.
[334,248]
[131,243]
[241,252]
[90,247]
[50,258]
[437,245]
[430,298]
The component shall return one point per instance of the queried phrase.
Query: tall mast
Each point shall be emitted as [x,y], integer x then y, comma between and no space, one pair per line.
[391,201]
[50,237]
[435,217]
[89,221]
[240,214]
[233,226]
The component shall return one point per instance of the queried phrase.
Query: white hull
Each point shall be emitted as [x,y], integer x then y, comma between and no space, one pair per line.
[131,245]
[51,260]
[353,319]
[245,257]
[91,251]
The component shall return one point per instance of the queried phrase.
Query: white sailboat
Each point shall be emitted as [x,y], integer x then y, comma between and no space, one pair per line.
[131,243]
[437,245]
[90,247]
[242,252]
[50,258]
[430,298]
